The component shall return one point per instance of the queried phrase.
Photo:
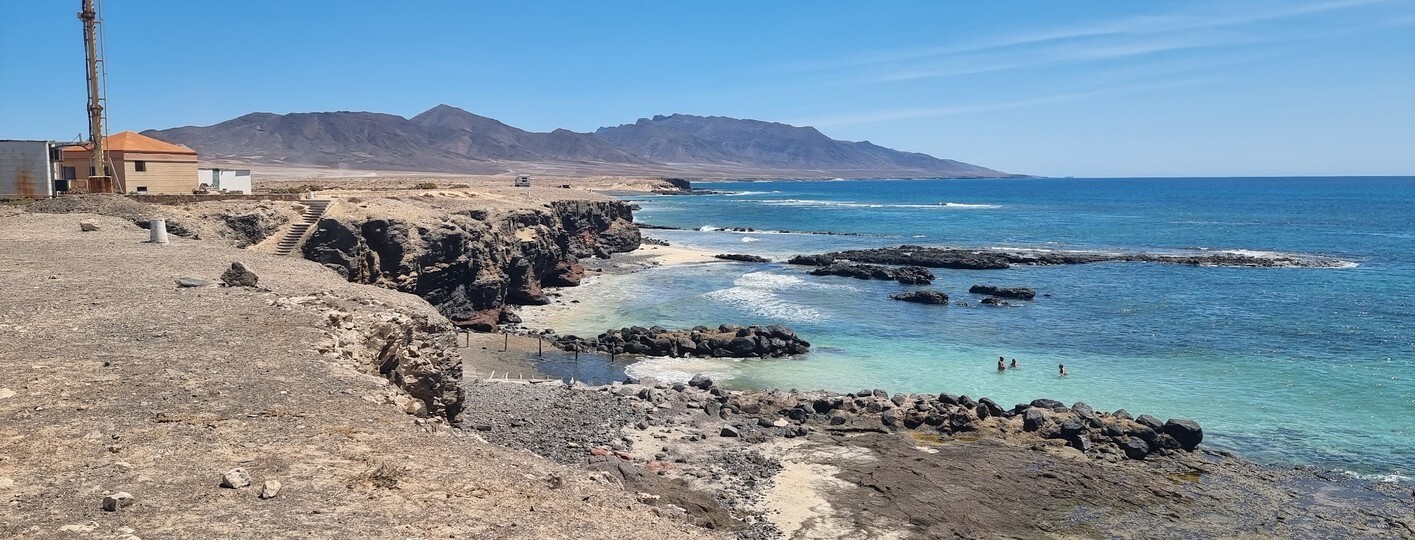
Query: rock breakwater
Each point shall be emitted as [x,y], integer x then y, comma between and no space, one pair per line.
[908,275]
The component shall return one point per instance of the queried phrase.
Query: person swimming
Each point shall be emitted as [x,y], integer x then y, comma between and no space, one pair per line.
[1062,369]
[1014,364]
[1000,365]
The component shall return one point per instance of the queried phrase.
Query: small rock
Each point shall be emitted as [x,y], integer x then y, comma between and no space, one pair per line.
[1186,432]
[121,499]
[87,227]
[235,478]
[270,489]
[730,431]
[6,393]
[1033,420]
[239,276]
[700,381]
[1135,448]
[186,282]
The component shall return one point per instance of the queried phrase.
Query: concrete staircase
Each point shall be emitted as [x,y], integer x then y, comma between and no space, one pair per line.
[314,209]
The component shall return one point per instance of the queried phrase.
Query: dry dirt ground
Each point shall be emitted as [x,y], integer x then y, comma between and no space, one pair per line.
[116,380]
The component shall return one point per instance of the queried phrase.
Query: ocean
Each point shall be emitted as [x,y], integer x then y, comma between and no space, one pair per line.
[1291,366]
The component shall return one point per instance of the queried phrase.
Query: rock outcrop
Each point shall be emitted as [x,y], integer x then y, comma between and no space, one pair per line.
[1020,293]
[922,297]
[739,257]
[471,263]
[908,275]
[725,341]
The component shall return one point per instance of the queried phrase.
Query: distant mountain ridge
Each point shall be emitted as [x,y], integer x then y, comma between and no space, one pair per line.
[449,139]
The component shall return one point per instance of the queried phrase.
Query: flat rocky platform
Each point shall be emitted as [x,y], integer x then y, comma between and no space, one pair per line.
[998,258]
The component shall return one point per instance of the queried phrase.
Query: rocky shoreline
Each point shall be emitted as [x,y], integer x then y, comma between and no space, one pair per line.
[769,463]
[999,259]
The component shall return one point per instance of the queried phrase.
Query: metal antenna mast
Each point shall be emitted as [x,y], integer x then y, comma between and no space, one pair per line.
[93,48]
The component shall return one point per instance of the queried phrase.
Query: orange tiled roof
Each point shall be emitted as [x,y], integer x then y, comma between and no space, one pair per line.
[129,141]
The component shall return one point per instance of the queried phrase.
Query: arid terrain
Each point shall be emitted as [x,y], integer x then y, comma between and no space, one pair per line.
[379,418]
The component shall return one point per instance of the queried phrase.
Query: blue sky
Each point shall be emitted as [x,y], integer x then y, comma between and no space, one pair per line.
[1206,88]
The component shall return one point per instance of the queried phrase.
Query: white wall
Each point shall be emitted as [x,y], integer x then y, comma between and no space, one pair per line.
[231,180]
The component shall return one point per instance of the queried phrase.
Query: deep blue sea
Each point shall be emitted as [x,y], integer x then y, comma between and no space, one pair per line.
[1311,366]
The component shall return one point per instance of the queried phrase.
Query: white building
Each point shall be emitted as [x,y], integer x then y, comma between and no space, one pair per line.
[227,180]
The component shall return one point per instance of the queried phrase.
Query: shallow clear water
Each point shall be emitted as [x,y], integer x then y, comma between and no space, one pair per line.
[1286,365]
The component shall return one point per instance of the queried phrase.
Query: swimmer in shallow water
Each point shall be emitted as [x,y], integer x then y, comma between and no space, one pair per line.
[1062,369]
[1013,365]
[1000,365]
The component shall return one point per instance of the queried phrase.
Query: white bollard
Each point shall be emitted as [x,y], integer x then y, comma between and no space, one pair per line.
[157,231]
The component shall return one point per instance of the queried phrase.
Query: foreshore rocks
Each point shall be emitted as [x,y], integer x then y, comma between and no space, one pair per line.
[998,259]
[757,415]
[922,297]
[725,341]
[908,275]
[1020,293]
[471,263]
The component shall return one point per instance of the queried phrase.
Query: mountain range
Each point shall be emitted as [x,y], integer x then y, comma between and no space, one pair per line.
[451,140]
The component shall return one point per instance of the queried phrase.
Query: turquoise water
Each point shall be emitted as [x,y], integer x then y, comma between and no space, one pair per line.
[1285,365]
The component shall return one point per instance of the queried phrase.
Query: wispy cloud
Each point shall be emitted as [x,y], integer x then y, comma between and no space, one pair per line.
[889,115]
[1218,16]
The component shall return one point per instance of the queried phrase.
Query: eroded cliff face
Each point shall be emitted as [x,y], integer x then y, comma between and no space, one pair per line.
[472,262]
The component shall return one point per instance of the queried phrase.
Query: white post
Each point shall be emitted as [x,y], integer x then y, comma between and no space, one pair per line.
[157,231]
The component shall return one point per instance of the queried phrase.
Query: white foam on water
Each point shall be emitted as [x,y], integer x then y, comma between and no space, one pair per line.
[708,228]
[750,239]
[968,205]
[671,370]
[756,293]
[854,204]
[1391,478]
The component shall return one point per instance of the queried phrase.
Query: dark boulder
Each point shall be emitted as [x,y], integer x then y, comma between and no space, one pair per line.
[1135,448]
[990,301]
[700,381]
[1186,432]
[1044,403]
[1020,293]
[922,297]
[239,276]
[1033,420]
[993,408]
[1150,422]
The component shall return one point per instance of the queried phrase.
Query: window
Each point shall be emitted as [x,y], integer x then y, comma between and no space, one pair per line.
[140,166]
[142,190]
[70,174]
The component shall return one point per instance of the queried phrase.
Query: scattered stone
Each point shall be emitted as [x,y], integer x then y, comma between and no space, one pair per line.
[1135,448]
[6,393]
[730,431]
[87,227]
[235,478]
[270,489]
[700,381]
[113,502]
[239,276]
[187,282]
[1150,422]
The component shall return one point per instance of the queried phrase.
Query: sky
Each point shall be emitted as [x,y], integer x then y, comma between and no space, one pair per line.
[1075,88]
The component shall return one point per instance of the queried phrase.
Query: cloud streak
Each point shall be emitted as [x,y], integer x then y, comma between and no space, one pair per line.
[890,115]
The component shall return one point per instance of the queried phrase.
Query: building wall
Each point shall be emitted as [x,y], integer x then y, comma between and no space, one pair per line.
[231,180]
[26,171]
[164,174]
